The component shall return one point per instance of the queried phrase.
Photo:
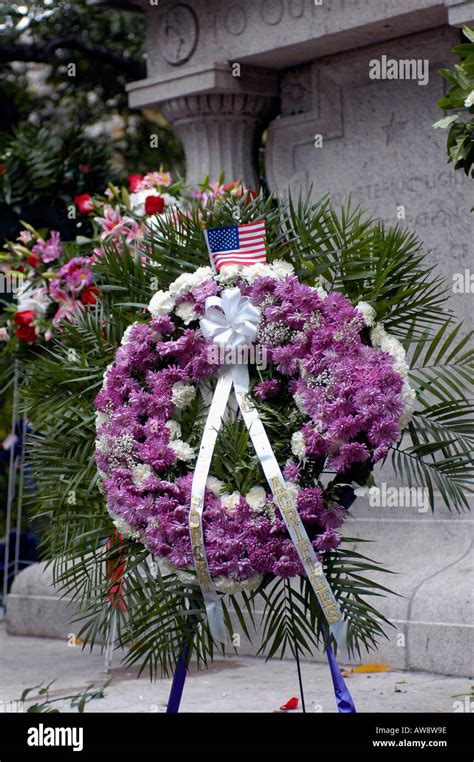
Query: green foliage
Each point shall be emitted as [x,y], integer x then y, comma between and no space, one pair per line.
[78,60]
[439,455]
[77,700]
[460,141]
[42,172]
[345,251]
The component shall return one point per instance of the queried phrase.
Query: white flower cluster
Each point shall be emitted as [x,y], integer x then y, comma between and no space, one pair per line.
[389,344]
[182,395]
[182,450]
[256,497]
[223,584]
[278,269]
[141,473]
[35,299]
[164,302]
[126,530]
[367,312]
[298,445]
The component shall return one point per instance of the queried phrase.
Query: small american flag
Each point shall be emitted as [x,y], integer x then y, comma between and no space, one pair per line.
[236,244]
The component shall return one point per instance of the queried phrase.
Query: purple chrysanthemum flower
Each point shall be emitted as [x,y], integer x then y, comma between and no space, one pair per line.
[267,389]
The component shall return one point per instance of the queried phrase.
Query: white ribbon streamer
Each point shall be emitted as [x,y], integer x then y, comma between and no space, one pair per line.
[215,614]
[236,324]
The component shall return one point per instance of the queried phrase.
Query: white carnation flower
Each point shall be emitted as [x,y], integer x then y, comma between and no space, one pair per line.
[124,528]
[389,344]
[106,374]
[298,445]
[175,429]
[186,312]
[230,501]
[228,273]
[161,303]
[137,200]
[187,281]
[281,269]
[140,473]
[409,401]
[299,402]
[100,419]
[181,449]
[292,490]
[378,334]
[253,272]
[182,395]
[103,443]
[216,486]
[322,293]
[367,312]
[256,498]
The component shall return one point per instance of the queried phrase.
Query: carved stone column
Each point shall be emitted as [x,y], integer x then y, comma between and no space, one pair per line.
[220,132]
[219,116]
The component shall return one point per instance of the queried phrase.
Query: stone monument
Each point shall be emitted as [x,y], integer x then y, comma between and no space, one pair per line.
[346,92]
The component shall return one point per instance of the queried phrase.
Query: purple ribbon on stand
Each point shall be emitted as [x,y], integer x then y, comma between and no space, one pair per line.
[177,685]
[344,701]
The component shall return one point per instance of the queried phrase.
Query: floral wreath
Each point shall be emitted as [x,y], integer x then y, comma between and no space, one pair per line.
[335,387]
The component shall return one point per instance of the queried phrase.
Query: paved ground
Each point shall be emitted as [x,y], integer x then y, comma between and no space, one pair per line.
[230,685]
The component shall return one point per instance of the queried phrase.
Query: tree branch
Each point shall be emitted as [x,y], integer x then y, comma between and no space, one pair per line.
[46,53]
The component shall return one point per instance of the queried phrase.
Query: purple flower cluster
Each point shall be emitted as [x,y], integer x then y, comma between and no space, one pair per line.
[348,394]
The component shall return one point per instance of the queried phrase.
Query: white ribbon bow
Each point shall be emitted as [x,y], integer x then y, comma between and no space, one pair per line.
[230,319]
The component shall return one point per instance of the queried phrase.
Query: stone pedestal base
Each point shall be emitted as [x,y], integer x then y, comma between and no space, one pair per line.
[35,608]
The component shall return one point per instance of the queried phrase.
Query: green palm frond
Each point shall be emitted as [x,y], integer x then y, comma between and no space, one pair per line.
[437,454]
[299,617]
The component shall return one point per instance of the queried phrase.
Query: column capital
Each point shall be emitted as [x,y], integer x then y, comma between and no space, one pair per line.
[220,133]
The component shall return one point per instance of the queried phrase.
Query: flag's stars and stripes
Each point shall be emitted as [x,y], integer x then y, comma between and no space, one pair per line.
[236,244]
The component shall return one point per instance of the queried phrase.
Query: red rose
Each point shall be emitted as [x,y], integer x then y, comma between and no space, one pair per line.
[3,169]
[85,168]
[84,203]
[154,204]
[34,260]
[88,296]
[133,181]
[25,330]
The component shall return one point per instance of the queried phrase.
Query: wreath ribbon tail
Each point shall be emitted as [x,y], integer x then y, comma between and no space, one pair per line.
[286,504]
[214,611]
